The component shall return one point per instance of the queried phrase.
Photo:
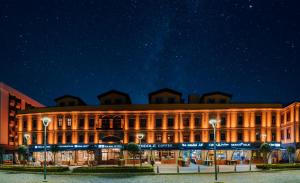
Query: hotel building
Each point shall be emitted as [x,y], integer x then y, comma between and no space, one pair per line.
[12,101]
[172,129]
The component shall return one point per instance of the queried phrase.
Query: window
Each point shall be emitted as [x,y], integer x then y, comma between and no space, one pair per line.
[131,122]
[211,136]
[91,123]
[170,122]
[60,122]
[158,138]
[131,138]
[25,124]
[81,123]
[223,136]
[211,101]
[273,119]
[34,139]
[81,138]
[171,100]
[257,119]
[222,101]
[186,122]
[158,122]
[159,100]
[170,137]
[186,137]
[143,123]
[69,121]
[59,139]
[240,119]
[118,101]
[223,120]
[288,133]
[197,122]
[288,116]
[107,102]
[69,138]
[34,124]
[282,134]
[197,137]
[273,136]
[72,103]
[240,136]
[257,136]
[282,118]
[105,123]
[91,138]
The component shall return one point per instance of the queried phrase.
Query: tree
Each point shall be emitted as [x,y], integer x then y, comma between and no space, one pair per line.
[265,148]
[22,150]
[54,149]
[290,150]
[2,151]
[133,150]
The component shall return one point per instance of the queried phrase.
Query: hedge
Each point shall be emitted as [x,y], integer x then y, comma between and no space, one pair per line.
[34,169]
[125,169]
[278,166]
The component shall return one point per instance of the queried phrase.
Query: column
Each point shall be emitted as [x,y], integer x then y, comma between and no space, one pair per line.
[137,122]
[164,122]
[192,121]
[192,139]
[86,137]
[126,121]
[176,137]
[86,122]
[29,123]
[176,121]
[125,140]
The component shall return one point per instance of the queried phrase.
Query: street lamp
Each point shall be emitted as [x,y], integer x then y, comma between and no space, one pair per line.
[46,121]
[140,136]
[27,137]
[213,123]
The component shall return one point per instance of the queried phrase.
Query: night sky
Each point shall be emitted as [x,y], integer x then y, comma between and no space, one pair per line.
[250,48]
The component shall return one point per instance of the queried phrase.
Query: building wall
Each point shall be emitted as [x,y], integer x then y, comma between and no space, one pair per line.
[11,101]
[184,129]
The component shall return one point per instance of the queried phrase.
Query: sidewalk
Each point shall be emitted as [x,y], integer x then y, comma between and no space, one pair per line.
[172,168]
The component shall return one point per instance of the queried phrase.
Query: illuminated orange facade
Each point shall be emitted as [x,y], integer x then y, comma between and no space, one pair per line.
[166,120]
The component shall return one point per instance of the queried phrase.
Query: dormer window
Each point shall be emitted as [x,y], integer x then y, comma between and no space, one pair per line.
[107,102]
[159,100]
[171,100]
[211,101]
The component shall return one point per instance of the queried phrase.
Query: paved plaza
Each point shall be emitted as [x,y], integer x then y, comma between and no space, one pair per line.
[292,176]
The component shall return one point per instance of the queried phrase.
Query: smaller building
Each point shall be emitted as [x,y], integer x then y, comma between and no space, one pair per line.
[11,101]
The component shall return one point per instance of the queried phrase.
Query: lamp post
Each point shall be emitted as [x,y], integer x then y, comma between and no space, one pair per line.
[46,121]
[140,136]
[264,136]
[27,137]
[213,123]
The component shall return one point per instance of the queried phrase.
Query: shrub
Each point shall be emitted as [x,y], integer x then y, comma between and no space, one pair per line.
[33,169]
[125,169]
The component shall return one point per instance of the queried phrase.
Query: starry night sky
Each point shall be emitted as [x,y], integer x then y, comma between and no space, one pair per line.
[250,48]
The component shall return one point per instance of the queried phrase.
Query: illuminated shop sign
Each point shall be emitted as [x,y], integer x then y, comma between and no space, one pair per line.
[158,146]
[110,146]
[219,144]
[275,145]
[241,144]
[182,146]
[191,145]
